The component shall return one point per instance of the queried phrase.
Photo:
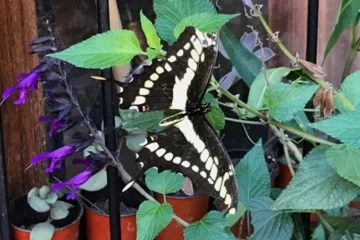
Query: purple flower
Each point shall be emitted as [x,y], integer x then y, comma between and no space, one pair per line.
[57,156]
[74,183]
[56,124]
[25,81]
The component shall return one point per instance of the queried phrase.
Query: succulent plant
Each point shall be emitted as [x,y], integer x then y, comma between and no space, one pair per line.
[43,200]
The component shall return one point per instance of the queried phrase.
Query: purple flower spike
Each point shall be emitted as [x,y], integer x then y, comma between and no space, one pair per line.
[56,156]
[74,183]
[25,81]
[56,124]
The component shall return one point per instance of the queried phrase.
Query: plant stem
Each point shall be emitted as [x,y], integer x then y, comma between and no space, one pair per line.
[244,121]
[240,103]
[354,48]
[286,152]
[325,223]
[123,173]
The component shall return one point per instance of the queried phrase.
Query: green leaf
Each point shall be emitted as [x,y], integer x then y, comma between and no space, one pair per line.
[151,218]
[319,233]
[135,141]
[165,182]
[152,38]
[316,185]
[153,53]
[260,84]
[42,231]
[347,15]
[269,224]
[252,175]
[112,48]
[243,60]
[147,121]
[205,22]
[345,127]
[170,12]
[233,218]
[216,116]
[345,161]
[349,89]
[285,100]
[213,226]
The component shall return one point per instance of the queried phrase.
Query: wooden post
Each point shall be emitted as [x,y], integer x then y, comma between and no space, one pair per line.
[23,136]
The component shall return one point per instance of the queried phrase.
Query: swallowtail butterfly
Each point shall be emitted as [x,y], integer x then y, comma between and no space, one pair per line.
[189,145]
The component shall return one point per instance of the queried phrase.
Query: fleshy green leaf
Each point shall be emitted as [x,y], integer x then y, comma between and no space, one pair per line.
[213,226]
[151,218]
[345,161]
[134,141]
[205,22]
[44,191]
[243,60]
[347,15]
[269,224]
[112,48]
[42,231]
[285,100]
[319,233]
[345,127]
[96,182]
[147,121]
[252,175]
[216,116]
[316,185]
[165,182]
[170,12]
[260,84]
[60,210]
[349,88]
[152,38]
[38,204]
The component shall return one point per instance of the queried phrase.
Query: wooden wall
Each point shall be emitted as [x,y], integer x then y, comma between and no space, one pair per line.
[24,137]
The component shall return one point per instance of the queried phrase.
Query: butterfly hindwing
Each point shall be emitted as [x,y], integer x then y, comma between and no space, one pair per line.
[192,148]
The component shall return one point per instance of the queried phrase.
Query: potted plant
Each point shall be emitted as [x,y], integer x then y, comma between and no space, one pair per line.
[41,215]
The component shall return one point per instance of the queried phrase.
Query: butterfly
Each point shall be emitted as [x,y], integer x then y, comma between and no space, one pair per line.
[177,83]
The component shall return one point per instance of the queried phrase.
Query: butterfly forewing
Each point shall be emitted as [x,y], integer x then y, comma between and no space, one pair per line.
[192,148]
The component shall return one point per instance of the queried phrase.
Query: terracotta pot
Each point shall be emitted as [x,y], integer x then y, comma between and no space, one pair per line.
[98,225]
[354,204]
[240,228]
[284,177]
[23,215]
[191,209]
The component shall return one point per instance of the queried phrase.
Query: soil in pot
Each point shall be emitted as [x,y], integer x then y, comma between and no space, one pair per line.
[23,218]
[189,208]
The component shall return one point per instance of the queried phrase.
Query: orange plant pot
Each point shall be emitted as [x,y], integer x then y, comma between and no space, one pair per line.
[68,232]
[354,204]
[98,226]
[284,177]
[240,228]
[191,209]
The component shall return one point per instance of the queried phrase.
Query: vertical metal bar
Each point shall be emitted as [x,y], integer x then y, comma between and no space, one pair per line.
[5,226]
[311,53]
[110,138]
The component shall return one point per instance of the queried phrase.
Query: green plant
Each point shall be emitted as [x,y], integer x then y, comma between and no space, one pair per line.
[327,177]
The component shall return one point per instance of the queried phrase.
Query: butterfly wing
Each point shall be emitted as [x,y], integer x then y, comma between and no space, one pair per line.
[192,148]
[178,80]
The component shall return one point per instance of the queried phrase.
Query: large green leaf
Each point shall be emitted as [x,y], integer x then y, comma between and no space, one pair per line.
[213,226]
[316,185]
[170,12]
[345,127]
[319,233]
[152,38]
[269,224]
[349,89]
[165,182]
[112,48]
[349,10]
[205,22]
[243,60]
[252,175]
[260,84]
[345,161]
[285,100]
[151,218]
[216,116]
[147,121]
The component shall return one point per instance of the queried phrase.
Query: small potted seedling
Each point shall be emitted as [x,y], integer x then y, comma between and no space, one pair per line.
[41,215]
